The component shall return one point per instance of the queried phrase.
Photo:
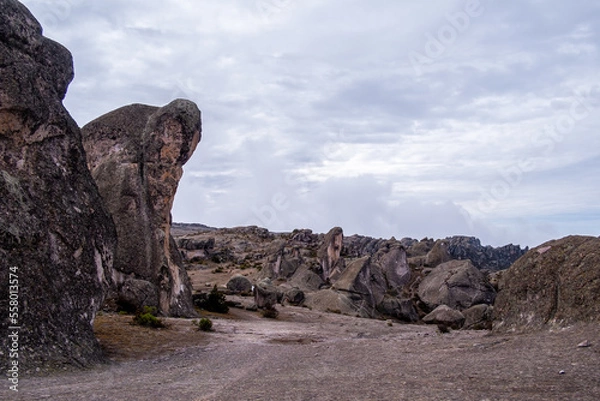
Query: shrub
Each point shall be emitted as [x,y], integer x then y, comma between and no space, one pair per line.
[147,317]
[213,302]
[205,324]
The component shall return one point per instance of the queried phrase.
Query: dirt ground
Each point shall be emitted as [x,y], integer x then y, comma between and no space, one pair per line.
[309,355]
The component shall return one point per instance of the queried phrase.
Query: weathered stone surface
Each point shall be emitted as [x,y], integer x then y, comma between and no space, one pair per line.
[56,238]
[438,254]
[556,283]
[294,296]
[329,254]
[136,155]
[446,316]
[394,265]
[365,279]
[239,284]
[457,284]
[483,257]
[402,309]
[135,294]
[328,300]
[265,294]
[478,317]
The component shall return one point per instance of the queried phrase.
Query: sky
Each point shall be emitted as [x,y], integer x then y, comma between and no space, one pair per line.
[386,118]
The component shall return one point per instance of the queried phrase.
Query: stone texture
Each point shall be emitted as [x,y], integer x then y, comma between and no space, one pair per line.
[402,309]
[365,279]
[478,317]
[556,283]
[329,254]
[54,231]
[265,294]
[136,155]
[457,284]
[445,316]
[239,284]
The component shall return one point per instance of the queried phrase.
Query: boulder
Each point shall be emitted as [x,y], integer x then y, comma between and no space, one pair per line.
[556,283]
[483,257]
[294,296]
[265,294]
[329,254]
[56,238]
[136,155]
[445,316]
[402,309]
[363,279]
[134,294]
[478,317]
[438,254]
[306,279]
[329,300]
[394,265]
[457,284]
[239,284]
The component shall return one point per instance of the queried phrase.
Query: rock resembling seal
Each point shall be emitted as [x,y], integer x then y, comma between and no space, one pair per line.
[136,154]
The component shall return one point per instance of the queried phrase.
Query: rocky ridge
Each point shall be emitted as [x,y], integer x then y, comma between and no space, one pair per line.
[353,275]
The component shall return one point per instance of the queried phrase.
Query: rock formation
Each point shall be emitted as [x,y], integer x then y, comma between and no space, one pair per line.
[329,254]
[556,283]
[136,154]
[56,238]
[457,284]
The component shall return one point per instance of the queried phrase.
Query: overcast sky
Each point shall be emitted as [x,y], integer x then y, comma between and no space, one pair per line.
[387,118]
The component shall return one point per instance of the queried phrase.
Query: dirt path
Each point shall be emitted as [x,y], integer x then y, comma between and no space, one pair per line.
[307,355]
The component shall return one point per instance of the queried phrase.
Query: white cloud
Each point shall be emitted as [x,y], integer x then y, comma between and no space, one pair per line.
[314,109]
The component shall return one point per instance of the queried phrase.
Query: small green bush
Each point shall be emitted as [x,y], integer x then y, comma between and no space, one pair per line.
[215,301]
[147,317]
[205,324]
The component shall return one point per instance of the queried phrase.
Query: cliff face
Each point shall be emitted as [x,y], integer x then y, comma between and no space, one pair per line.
[56,238]
[136,154]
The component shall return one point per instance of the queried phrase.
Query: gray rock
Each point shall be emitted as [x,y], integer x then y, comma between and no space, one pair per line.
[478,317]
[294,296]
[457,284]
[364,279]
[239,284]
[136,155]
[329,254]
[446,316]
[394,265]
[265,294]
[134,294]
[556,283]
[56,238]
[402,309]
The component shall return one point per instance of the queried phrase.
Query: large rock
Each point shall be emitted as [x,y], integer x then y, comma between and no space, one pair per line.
[394,265]
[239,284]
[329,254]
[265,294]
[556,283]
[56,238]
[136,155]
[457,284]
[445,316]
[364,279]
[483,257]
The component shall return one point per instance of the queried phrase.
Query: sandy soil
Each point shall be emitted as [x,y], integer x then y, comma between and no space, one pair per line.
[308,355]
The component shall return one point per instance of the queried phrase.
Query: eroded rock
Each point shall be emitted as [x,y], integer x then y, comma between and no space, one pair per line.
[457,284]
[136,155]
[557,283]
[56,238]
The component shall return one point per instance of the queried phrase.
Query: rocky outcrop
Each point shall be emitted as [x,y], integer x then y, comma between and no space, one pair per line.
[265,294]
[457,284]
[556,283]
[483,257]
[478,317]
[329,254]
[136,154]
[56,238]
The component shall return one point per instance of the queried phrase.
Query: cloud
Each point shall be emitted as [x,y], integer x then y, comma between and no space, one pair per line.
[317,113]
